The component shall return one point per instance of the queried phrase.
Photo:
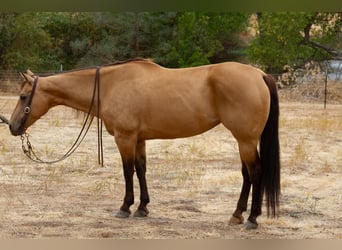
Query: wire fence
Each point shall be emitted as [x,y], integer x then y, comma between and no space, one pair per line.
[318,74]
[9,82]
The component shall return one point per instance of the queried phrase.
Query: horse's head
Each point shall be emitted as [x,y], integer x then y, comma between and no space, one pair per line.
[30,105]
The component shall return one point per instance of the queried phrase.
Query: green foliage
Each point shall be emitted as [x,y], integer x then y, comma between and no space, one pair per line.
[199,36]
[129,35]
[24,41]
[45,40]
[193,42]
[170,38]
[72,35]
[282,41]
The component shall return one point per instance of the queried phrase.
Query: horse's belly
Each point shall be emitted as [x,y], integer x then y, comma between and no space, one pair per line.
[177,128]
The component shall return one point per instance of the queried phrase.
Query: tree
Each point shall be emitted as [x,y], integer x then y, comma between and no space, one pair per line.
[323,32]
[23,42]
[72,35]
[6,35]
[198,36]
[173,39]
[192,44]
[45,40]
[128,35]
[228,28]
[294,39]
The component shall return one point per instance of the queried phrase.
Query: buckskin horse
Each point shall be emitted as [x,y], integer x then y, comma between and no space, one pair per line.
[140,100]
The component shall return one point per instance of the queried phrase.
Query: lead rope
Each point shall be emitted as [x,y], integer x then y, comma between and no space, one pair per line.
[3,120]
[29,152]
[99,121]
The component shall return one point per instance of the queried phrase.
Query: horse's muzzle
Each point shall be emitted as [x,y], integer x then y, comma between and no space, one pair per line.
[16,129]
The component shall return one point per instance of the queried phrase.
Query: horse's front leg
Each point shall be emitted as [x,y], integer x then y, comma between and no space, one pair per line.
[126,145]
[140,167]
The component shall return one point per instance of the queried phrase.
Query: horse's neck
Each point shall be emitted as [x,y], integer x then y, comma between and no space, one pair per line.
[71,90]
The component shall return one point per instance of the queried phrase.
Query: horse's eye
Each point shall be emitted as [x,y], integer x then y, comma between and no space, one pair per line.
[23,97]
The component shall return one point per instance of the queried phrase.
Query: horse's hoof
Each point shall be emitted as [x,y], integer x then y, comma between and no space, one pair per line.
[236,220]
[141,213]
[122,214]
[251,225]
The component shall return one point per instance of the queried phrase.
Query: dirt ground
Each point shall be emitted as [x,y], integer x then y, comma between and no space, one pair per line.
[194,183]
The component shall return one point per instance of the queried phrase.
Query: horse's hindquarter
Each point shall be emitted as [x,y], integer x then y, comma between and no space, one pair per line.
[242,99]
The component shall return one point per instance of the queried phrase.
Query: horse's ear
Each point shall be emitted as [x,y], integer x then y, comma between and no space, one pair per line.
[29,72]
[23,76]
[28,76]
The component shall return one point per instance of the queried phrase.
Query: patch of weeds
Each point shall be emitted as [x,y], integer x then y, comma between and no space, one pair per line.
[4,173]
[339,159]
[55,122]
[3,149]
[194,150]
[285,122]
[165,146]
[299,152]
[326,168]
[181,177]
[50,151]
[319,122]
[102,186]
[309,203]
[54,176]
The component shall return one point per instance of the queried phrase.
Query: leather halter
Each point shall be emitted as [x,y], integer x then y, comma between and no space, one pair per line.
[27,109]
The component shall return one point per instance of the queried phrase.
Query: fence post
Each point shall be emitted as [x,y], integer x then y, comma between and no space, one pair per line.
[325,87]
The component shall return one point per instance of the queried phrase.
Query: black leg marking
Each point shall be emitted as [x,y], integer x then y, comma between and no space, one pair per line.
[140,167]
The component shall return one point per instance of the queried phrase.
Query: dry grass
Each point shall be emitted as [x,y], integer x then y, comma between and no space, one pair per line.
[313,92]
[194,183]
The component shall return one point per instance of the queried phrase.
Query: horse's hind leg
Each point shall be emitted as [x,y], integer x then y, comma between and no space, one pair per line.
[251,160]
[140,167]
[237,217]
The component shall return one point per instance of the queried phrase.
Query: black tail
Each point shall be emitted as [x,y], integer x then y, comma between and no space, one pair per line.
[269,152]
